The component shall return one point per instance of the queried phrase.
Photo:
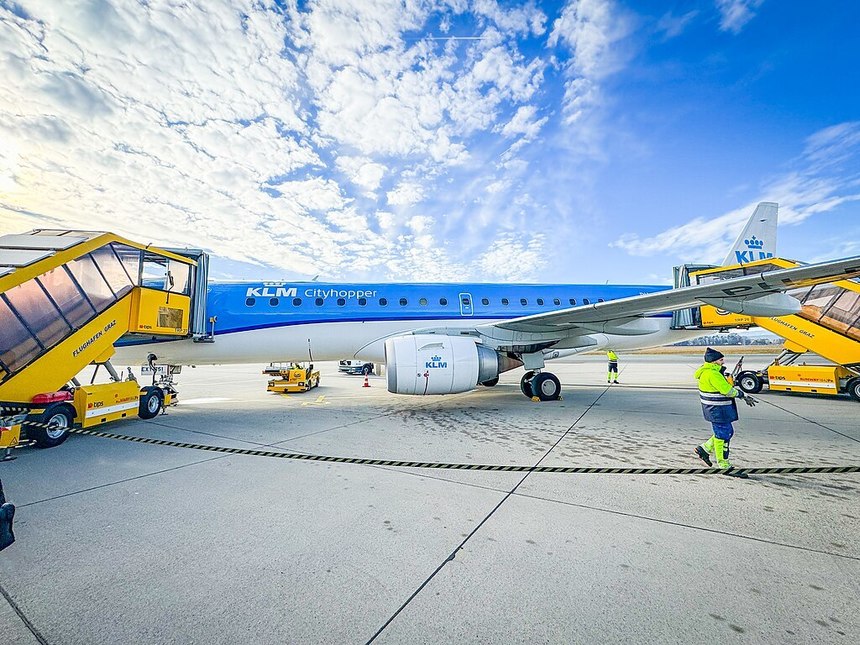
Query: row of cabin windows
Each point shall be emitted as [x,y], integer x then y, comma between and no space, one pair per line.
[383,302]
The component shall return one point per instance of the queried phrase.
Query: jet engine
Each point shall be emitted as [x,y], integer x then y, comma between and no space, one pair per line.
[431,364]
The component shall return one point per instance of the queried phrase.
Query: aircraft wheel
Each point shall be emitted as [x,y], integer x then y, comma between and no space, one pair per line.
[546,386]
[491,382]
[526,384]
[150,403]
[59,419]
[750,382]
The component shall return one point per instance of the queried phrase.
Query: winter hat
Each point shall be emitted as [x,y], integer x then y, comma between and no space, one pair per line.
[712,355]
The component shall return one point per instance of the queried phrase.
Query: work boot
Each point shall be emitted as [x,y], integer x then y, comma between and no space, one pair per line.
[719,453]
[702,454]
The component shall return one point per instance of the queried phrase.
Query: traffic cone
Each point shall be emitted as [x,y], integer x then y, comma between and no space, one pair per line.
[366,381]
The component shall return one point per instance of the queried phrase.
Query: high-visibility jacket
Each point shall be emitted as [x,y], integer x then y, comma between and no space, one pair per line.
[612,356]
[716,394]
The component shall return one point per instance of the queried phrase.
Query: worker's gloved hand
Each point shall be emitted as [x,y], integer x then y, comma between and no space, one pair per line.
[750,401]
[741,394]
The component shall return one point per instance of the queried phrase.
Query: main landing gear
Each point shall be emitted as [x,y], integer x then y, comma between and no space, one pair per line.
[543,385]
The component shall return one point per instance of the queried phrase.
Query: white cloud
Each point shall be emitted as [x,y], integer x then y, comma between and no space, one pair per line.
[735,14]
[824,178]
[594,33]
[406,194]
[220,124]
[671,25]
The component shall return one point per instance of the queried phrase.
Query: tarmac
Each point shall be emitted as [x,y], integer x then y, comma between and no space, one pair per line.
[120,542]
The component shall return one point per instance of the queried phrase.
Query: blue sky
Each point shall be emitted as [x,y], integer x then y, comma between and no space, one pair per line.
[580,141]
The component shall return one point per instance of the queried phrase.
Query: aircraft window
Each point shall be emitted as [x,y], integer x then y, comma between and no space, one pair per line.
[297,302]
[273,302]
[383,302]
[586,301]
[572,301]
[318,302]
[423,302]
[505,301]
[403,302]
[341,302]
[443,302]
[600,300]
[22,347]
[556,301]
[362,301]
[485,301]
[540,301]
[523,302]
[249,302]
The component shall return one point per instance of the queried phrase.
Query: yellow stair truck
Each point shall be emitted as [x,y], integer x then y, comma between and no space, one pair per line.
[827,325]
[65,298]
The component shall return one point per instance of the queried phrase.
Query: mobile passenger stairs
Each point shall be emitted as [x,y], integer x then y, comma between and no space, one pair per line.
[65,298]
[827,325]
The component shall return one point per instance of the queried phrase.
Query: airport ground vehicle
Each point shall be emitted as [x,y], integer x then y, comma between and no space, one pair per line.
[65,298]
[355,367]
[827,325]
[292,377]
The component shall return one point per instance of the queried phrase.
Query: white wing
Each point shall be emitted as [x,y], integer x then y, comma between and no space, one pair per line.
[757,294]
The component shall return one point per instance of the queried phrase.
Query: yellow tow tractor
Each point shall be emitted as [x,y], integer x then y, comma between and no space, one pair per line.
[66,297]
[292,377]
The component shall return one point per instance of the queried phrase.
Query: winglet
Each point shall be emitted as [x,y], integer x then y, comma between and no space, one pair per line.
[758,239]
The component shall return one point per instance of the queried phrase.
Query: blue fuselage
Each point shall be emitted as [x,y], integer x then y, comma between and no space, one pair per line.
[249,306]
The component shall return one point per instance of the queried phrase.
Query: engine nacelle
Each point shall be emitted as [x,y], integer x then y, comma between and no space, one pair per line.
[431,364]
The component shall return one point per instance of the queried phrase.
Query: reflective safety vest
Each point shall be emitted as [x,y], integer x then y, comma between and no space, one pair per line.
[716,395]
[613,357]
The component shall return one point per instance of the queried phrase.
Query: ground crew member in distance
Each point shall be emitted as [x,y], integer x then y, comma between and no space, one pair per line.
[720,408]
[612,375]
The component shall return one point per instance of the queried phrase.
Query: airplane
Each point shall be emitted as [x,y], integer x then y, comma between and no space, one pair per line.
[450,338]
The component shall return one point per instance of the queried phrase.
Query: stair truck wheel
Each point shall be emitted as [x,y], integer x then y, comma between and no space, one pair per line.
[749,382]
[58,419]
[150,403]
[853,388]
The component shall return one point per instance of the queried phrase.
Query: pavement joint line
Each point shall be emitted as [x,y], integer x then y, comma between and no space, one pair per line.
[812,421]
[507,496]
[600,509]
[30,626]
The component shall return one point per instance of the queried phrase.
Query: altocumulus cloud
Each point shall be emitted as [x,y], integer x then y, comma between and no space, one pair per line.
[330,131]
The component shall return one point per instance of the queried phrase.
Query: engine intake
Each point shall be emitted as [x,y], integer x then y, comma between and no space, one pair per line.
[430,364]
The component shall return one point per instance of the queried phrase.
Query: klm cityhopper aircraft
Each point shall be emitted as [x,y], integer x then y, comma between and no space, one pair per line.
[449,338]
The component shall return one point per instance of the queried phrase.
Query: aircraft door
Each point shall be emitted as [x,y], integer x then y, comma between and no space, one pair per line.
[465,304]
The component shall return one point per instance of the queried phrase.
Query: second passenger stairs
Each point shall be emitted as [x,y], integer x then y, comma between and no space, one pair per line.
[65,298]
[828,325]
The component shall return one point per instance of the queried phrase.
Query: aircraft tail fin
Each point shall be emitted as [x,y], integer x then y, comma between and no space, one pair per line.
[758,239]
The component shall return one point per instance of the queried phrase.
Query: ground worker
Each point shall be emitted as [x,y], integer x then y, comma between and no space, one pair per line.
[612,375]
[720,408]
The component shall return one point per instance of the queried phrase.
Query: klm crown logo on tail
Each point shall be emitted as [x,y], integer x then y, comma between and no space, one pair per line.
[757,241]
[755,251]
[436,362]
